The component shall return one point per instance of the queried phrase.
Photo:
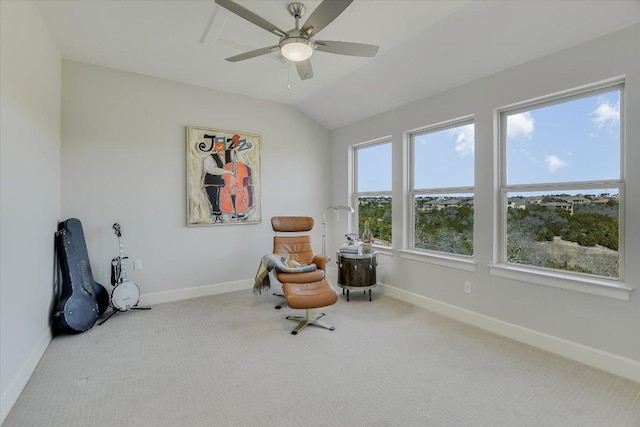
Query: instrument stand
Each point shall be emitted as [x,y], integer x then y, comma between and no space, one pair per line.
[120,311]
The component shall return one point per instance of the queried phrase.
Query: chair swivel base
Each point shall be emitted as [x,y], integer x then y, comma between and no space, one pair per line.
[282,304]
[307,296]
[309,319]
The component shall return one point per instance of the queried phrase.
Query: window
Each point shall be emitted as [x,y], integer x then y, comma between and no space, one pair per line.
[372,184]
[441,188]
[561,183]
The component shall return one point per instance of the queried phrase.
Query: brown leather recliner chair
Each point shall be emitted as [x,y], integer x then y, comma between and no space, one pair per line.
[292,241]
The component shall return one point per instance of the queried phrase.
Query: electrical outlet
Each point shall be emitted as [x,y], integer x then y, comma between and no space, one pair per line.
[137,264]
[467,287]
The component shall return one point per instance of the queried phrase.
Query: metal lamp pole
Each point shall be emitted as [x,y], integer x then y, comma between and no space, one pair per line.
[324,222]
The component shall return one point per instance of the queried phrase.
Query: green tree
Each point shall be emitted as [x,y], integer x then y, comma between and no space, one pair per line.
[446,230]
[378,211]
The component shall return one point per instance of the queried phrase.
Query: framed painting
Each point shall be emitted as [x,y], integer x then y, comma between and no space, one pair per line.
[223,177]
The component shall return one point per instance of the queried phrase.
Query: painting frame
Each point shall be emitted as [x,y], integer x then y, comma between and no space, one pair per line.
[223,177]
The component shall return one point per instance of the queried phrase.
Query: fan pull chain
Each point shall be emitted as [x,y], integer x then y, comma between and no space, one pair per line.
[289,76]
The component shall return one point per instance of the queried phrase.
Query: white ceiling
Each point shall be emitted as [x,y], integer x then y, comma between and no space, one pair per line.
[426,46]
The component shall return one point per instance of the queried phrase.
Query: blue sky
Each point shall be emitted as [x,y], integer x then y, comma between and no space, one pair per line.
[444,158]
[572,141]
[374,168]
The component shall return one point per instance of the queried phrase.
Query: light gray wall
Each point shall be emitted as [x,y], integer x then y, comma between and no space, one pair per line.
[598,322]
[29,191]
[123,160]
[118,154]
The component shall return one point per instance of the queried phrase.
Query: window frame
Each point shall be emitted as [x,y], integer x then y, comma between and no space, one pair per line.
[613,287]
[413,192]
[355,201]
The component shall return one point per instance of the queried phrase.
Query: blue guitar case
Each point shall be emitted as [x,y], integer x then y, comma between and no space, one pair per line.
[82,300]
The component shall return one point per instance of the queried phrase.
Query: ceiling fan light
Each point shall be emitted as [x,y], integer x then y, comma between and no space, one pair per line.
[296,49]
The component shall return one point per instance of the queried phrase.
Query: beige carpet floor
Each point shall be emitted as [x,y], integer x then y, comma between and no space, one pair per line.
[229,360]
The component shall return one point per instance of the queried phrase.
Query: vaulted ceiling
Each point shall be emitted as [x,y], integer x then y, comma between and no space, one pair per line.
[425,46]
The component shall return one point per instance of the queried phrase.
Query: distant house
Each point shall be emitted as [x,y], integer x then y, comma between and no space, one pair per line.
[516,203]
[577,200]
[440,204]
[381,242]
[534,200]
[559,205]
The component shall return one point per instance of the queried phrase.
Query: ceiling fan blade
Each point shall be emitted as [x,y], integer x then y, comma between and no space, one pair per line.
[252,54]
[323,15]
[347,48]
[251,17]
[305,71]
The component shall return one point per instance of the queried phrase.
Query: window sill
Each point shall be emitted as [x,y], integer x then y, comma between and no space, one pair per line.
[588,285]
[383,250]
[443,260]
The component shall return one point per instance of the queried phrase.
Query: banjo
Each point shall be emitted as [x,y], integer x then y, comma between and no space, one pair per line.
[125,295]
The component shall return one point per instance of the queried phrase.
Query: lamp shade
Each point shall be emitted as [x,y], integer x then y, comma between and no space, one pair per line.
[296,49]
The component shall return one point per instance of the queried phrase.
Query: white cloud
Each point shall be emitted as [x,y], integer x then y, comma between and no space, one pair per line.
[520,125]
[606,114]
[554,162]
[465,137]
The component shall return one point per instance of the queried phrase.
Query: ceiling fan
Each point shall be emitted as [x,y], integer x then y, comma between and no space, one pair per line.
[298,44]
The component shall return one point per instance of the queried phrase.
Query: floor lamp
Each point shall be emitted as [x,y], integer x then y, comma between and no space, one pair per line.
[324,222]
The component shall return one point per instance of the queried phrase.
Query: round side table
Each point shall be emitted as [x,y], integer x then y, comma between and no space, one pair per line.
[357,271]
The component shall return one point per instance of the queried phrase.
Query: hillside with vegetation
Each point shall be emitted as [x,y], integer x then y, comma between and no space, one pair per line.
[538,235]
[554,231]
[378,211]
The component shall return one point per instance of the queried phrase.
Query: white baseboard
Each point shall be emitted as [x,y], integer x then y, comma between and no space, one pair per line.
[196,292]
[618,365]
[11,394]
